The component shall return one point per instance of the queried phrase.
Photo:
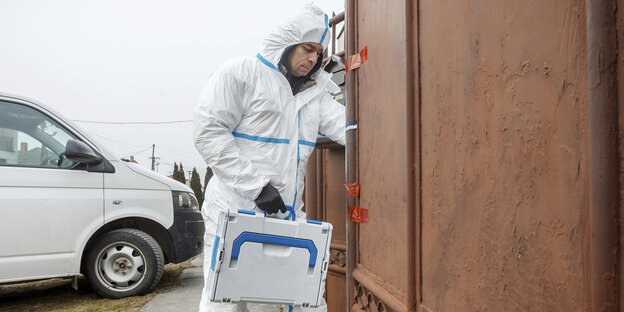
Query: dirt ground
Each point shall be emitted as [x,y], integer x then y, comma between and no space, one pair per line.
[58,295]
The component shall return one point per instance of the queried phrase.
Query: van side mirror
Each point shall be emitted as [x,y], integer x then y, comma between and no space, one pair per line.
[81,152]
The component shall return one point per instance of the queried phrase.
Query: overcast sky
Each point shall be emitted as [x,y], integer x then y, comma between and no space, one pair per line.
[131,61]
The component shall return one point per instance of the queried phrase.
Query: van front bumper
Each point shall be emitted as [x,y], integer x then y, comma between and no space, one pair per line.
[187,234]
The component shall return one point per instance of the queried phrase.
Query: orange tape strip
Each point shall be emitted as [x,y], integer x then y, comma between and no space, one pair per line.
[354,62]
[353,188]
[358,215]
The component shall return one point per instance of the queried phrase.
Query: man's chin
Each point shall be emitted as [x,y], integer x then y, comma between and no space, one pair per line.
[304,71]
[300,73]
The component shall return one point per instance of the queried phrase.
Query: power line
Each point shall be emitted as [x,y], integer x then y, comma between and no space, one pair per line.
[134,122]
[144,150]
[181,153]
[176,160]
[127,146]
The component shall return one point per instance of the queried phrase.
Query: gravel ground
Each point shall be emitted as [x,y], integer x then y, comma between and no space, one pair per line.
[58,295]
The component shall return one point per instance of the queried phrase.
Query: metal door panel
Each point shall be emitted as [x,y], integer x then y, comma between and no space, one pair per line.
[503,155]
[47,215]
[382,159]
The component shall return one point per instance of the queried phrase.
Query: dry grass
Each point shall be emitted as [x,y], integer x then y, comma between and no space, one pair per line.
[57,295]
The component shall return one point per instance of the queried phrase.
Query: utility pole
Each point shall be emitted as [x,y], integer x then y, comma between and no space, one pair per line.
[153,159]
[189,172]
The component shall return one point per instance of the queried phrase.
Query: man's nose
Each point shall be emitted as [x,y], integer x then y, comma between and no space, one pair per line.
[312,57]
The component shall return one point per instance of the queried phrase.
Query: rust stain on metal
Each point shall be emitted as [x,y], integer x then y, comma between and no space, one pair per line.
[351,162]
[604,183]
[504,155]
[382,132]
[334,192]
[498,189]
[620,86]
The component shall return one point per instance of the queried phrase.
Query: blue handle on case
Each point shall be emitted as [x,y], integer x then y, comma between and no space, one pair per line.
[275,240]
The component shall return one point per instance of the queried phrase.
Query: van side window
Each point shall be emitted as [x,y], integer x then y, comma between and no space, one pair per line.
[29,138]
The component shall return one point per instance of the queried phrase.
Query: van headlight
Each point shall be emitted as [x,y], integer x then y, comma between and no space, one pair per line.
[184,200]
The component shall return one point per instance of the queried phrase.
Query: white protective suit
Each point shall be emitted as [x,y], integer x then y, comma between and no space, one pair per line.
[251,130]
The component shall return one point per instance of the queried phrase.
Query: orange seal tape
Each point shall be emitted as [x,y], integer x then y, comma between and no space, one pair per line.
[358,215]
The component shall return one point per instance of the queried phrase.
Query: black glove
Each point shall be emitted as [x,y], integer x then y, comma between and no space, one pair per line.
[270,200]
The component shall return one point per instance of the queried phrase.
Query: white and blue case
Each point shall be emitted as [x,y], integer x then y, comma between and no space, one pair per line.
[268,260]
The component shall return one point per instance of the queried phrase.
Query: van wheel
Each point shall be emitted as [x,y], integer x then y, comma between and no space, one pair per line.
[124,262]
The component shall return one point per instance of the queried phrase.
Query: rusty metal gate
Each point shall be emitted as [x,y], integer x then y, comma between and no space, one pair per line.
[488,155]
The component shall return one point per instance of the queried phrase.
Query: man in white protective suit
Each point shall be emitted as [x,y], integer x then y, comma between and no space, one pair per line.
[257,124]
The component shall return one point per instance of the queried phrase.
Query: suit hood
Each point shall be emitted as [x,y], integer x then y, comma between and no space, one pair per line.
[307,24]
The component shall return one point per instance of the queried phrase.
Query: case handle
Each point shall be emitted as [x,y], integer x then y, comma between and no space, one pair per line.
[275,240]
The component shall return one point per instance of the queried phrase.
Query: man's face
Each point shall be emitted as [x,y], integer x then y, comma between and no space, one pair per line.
[303,57]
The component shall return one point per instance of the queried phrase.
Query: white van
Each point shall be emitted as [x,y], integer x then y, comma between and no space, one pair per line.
[69,206]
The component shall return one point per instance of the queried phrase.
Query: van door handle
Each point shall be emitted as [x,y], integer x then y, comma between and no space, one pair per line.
[117,202]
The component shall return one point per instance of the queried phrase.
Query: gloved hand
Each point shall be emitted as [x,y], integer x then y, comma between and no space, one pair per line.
[270,200]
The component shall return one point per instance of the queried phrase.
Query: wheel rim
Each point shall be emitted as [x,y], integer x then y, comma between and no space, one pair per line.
[121,266]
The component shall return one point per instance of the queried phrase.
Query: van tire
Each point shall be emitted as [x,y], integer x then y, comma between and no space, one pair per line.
[123,263]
